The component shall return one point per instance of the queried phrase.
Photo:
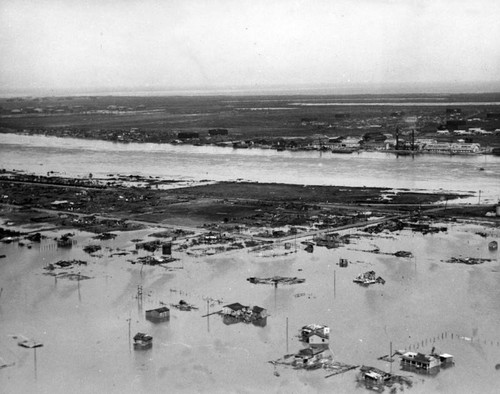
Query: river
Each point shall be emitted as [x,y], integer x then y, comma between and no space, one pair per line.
[77,157]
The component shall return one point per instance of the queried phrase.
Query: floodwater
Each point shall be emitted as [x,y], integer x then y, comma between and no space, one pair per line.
[75,157]
[84,325]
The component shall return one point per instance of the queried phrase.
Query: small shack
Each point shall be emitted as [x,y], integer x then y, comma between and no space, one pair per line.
[142,341]
[158,314]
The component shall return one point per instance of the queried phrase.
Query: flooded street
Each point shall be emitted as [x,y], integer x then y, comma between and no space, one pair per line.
[84,325]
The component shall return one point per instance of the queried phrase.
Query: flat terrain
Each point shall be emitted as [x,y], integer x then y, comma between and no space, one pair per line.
[161,119]
[229,202]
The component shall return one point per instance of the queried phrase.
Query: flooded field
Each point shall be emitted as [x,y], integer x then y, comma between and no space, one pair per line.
[85,326]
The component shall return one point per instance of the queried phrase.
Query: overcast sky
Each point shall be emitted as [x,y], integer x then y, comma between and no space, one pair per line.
[141,44]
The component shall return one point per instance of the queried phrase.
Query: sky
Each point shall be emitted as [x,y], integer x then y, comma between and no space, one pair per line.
[114,45]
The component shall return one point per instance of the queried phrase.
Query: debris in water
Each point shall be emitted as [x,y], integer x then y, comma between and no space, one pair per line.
[91,248]
[343,263]
[236,312]
[72,276]
[36,237]
[105,236]
[64,264]
[153,260]
[5,364]
[65,241]
[150,246]
[368,278]
[184,306]
[275,280]
[466,260]
[374,379]
[403,253]
[26,342]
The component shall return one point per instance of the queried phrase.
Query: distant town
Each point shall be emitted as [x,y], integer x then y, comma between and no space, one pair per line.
[375,123]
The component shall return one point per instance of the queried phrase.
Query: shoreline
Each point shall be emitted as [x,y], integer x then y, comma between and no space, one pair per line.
[237,145]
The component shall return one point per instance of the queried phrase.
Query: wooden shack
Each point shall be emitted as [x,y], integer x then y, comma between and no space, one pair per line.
[158,314]
[142,341]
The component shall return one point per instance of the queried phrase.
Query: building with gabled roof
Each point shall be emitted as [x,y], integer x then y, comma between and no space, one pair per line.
[315,334]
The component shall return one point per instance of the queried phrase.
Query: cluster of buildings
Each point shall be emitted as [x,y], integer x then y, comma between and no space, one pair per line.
[237,312]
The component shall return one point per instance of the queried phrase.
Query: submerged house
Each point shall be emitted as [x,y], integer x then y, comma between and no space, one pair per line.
[235,309]
[426,362]
[315,334]
[309,357]
[368,278]
[375,376]
[243,312]
[158,314]
[142,341]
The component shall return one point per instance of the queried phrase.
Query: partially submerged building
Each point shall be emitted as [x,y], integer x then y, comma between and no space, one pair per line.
[158,314]
[426,362]
[310,357]
[142,341]
[315,334]
[368,278]
[244,313]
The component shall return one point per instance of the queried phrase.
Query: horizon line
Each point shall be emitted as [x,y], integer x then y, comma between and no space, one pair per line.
[340,89]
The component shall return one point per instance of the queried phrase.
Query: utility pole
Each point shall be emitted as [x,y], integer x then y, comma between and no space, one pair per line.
[129,344]
[208,317]
[287,335]
[390,357]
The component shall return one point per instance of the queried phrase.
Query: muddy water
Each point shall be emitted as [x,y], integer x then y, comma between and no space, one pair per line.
[84,327]
[73,157]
